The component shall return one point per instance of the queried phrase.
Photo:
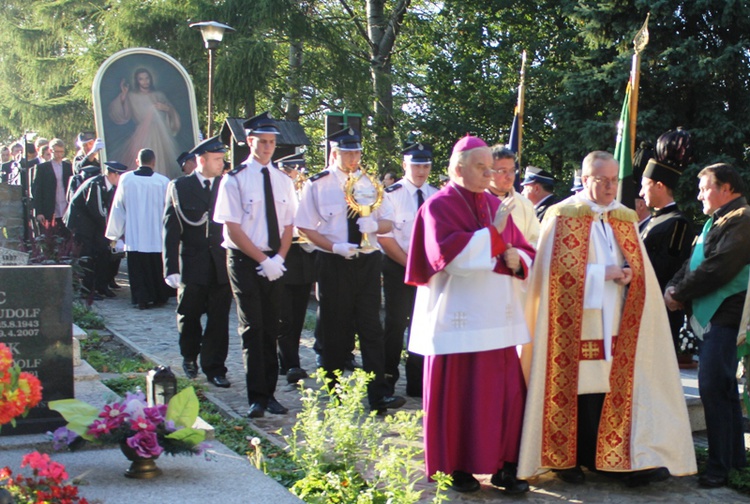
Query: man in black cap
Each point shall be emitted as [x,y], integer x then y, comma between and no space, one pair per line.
[538,185]
[298,280]
[348,282]
[256,204]
[405,197]
[195,264]
[49,187]
[668,235]
[86,218]
[187,162]
[88,151]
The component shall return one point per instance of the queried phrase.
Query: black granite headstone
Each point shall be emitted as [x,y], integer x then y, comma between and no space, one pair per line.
[36,323]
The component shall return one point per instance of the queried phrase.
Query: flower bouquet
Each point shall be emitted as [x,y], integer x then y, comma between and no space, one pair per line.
[143,432]
[19,391]
[45,485]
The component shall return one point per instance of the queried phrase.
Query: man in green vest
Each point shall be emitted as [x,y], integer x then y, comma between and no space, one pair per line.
[712,286]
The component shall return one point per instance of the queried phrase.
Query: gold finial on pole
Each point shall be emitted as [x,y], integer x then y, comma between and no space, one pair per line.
[639,43]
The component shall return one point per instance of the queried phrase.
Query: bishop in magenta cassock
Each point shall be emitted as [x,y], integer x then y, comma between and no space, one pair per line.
[469,261]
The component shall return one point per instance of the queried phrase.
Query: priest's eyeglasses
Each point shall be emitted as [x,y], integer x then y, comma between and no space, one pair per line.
[604,181]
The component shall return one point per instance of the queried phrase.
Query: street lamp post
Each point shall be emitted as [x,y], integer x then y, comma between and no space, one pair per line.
[213,33]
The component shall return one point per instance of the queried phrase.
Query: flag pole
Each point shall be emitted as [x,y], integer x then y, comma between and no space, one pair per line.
[521,102]
[639,44]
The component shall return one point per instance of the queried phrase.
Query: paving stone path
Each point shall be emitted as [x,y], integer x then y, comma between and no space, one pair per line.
[152,332]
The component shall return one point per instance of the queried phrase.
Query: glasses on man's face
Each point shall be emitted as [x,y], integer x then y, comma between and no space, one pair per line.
[503,172]
[604,181]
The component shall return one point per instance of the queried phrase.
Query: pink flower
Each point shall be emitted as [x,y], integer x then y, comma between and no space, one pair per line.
[54,471]
[113,410]
[155,414]
[35,460]
[145,444]
[99,427]
[142,424]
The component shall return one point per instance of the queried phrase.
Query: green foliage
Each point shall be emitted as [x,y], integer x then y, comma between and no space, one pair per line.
[100,353]
[79,415]
[183,408]
[86,318]
[349,455]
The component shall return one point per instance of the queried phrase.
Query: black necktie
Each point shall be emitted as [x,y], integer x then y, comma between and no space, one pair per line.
[353,234]
[207,185]
[420,198]
[274,240]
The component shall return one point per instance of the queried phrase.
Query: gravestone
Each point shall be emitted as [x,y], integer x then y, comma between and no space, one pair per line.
[36,324]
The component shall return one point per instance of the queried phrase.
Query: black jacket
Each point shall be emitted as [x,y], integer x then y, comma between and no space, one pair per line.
[88,211]
[44,187]
[727,250]
[192,250]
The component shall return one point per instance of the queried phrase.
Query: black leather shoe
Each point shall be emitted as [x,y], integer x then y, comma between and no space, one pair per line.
[114,285]
[389,402]
[711,481]
[506,479]
[464,482]
[275,407]
[107,292]
[574,475]
[190,368]
[256,411]
[219,381]
[643,478]
[295,374]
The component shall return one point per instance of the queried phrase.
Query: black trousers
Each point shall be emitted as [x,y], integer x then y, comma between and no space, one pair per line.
[95,257]
[258,308]
[293,311]
[146,274]
[399,305]
[349,296]
[589,414]
[211,344]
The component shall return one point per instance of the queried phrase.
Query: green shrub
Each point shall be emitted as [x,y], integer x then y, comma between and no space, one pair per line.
[349,455]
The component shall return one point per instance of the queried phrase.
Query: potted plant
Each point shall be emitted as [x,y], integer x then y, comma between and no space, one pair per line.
[143,432]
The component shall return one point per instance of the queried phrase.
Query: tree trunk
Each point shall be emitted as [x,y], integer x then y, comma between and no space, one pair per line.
[382,31]
[293,81]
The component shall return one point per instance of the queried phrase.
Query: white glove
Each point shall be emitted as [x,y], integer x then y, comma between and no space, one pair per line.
[173,280]
[346,250]
[367,224]
[98,145]
[270,269]
[278,260]
[120,246]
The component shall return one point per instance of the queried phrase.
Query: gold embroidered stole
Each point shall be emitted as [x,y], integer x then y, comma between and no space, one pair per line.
[566,290]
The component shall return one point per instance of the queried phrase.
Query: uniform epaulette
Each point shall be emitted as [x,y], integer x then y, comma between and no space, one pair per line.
[238,169]
[319,175]
[393,187]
